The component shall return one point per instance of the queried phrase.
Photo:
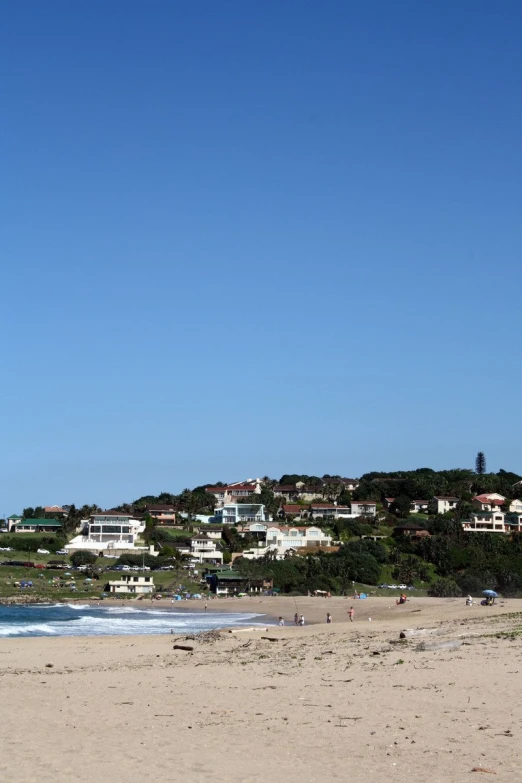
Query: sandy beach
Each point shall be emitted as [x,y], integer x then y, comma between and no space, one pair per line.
[346,701]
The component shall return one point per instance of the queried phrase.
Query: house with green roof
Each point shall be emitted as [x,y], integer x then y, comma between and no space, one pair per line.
[38,526]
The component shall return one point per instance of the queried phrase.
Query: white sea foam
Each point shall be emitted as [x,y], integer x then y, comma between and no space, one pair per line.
[121,621]
[35,629]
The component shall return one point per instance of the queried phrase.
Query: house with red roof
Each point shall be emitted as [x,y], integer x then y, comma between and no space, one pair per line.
[490,501]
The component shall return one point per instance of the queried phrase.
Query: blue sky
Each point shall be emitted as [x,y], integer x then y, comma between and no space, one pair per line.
[243,238]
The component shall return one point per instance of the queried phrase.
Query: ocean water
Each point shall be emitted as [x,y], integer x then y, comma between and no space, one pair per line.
[85,620]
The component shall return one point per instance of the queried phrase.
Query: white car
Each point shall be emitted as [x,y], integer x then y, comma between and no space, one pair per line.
[6,548]
[61,551]
[403,587]
[43,551]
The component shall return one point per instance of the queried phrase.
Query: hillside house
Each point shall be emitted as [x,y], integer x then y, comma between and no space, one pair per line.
[163,515]
[240,514]
[488,501]
[444,503]
[363,508]
[411,531]
[283,539]
[419,506]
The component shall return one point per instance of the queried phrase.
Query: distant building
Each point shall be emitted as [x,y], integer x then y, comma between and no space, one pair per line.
[132,584]
[240,513]
[163,515]
[488,522]
[231,493]
[110,532]
[329,510]
[488,501]
[282,539]
[411,531]
[54,510]
[12,521]
[205,550]
[38,526]
[363,508]
[420,506]
[227,582]
[516,506]
[443,503]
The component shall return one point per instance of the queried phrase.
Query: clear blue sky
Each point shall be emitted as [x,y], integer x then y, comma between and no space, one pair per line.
[242,238]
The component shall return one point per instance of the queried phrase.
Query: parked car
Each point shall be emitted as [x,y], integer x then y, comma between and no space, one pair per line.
[403,587]
[383,587]
[61,551]
[43,552]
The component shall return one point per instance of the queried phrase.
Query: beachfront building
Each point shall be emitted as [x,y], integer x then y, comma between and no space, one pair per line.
[38,526]
[240,514]
[110,533]
[361,508]
[516,506]
[231,582]
[127,583]
[443,503]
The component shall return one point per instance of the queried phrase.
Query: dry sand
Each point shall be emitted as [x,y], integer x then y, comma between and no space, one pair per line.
[323,703]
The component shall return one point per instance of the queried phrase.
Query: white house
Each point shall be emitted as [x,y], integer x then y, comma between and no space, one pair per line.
[132,584]
[325,510]
[493,522]
[240,513]
[363,508]
[419,506]
[282,539]
[516,506]
[444,503]
[111,532]
[205,550]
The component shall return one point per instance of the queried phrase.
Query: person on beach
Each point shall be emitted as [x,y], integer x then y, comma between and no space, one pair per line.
[301,620]
[328,617]
[296,619]
[351,613]
[281,621]
[205,607]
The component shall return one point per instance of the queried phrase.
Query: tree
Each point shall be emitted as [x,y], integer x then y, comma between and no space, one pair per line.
[480,463]
[83,558]
[401,506]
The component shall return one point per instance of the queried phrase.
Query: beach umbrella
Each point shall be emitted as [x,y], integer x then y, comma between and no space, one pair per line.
[490,593]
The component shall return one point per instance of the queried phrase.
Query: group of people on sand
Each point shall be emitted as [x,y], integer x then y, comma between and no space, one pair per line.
[299,618]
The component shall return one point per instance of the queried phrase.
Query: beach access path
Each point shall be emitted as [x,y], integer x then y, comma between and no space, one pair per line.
[340,702]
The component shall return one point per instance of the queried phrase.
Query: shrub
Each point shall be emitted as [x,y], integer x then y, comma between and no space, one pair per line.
[444,588]
[83,558]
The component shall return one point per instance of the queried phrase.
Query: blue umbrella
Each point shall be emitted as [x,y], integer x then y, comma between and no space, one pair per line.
[490,592]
